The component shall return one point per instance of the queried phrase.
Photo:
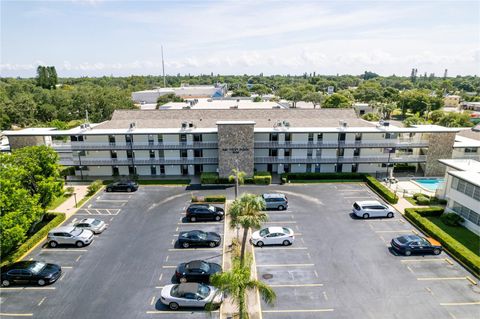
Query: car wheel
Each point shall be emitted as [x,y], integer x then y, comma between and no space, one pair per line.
[212,244]
[185,245]
[129,190]
[53,244]
[260,243]
[408,252]
[193,219]
[41,282]
[436,251]
[365,216]
[281,207]
[109,189]
[5,283]
[390,215]
[286,243]
[173,305]
[183,280]
[79,244]
[217,218]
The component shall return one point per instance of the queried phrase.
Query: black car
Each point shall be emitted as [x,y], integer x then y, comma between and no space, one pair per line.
[28,272]
[122,186]
[198,238]
[196,271]
[204,212]
[412,244]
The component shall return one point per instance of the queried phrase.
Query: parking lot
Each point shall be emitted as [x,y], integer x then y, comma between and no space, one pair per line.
[338,267]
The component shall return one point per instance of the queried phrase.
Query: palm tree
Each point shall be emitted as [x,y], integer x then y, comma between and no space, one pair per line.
[247,212]
[237,282]
[239,178]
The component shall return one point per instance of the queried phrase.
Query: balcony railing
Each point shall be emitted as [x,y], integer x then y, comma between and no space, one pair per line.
[137,161]
[345,144]
[341,159]
[79,146]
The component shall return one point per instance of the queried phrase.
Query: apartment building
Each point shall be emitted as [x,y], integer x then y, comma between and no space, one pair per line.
[188,142]
[467,144]
[184,91]
[463,190]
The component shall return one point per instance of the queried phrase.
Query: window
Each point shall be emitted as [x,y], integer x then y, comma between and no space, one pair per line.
[161,154]
[150,139]
[319,137]
[183,153]
[128,138]
[273,152]
[467,188]
[115,171]
[288,152]
[319,152]
[273,137]
[338,168]
[310,137]
[129,154]
[113,155]
[132,170]
[340,152]
[183,138]
[309,168]
[160,138]
[471,150]
[152,154]
[358,137]
[309,152]
[111,139]
[466,213]
[356,152]
[341,136]
[197,137]
[82,153]
[153,170]
[198,153]
[288,137]
[354,168]
[162,169]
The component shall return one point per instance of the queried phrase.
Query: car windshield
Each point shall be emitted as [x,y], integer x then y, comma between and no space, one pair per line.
[203,266]
[76,232]
[211,208]
[264,232]
[424,242]
[174,291]
[203,291]
[286,230]
[37,267]
[96,222]
[402,240]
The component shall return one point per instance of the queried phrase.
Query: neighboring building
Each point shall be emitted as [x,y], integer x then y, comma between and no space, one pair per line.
[222,104]
[188,142]
[452,101]
[471,106]
[362,108]
[197,91]
[467,144]
[462,190]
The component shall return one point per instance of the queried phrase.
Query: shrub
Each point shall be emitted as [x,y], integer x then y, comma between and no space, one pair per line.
[452,219]
[56,219]
[373,117]
[263,174]
[430,211]
[70,190]
[262,180]
[94,187]
[388,195]
[422,200]
[417,195]
[322,176]
[467,257]
[209,199]
[209,178]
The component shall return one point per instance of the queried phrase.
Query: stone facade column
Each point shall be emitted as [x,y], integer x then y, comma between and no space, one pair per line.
[440,146]
[235,147]
[17,142]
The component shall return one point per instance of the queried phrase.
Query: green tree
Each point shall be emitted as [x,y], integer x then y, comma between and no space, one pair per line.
[455,120]
[240,92]
[247,212]
[167,98]
[261,89]
[436,115]
[337,100]
[239,178]
[316,98]
[368,91]
[413,120]
[372,117]
[238,281]
[419,101]
[386,109]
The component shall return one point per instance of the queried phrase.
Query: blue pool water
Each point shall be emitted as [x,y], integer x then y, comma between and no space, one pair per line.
[430,184]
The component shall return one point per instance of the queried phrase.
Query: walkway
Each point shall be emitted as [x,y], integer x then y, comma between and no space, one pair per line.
[68,207]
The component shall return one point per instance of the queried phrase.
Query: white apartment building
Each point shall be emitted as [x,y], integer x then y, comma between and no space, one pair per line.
[185,91]
[187,142]
[467,144]
[463,190]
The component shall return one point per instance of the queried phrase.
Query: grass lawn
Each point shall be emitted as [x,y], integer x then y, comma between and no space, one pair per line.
[464,236]
[57,202]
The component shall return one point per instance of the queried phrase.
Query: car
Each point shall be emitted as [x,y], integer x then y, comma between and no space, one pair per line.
[273,236]
[122,186]
[189,295]
[204,212]
[198,238]
[30,272]
[413,244]
[69,235]
[275,201]
[196,271]
[97,226]
[372,208]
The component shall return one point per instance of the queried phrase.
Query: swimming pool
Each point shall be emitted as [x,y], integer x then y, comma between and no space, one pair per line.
[430,184]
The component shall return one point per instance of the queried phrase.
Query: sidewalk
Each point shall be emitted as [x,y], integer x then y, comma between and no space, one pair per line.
[402,204]
[68,206]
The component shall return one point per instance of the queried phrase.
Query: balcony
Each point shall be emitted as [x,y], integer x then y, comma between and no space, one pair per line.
[398,143]
[341,159]
[137,161]
[79,146]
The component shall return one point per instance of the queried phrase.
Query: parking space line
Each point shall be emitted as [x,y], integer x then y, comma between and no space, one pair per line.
[166,258]
[171,312]
[410,269]
[384,220]
[16,314]
[78,258]
[460,303]
[41,301]
[276,248]
[188,249]
[200,223]
[298,310]
[112,200]
[282,222]
[64,250]
[422,260]
[473,282]
[325,295]
[358,197]
[168,267]
[316,273]
[287,265]
[296,285]
[159,287]
[394,231]
[429,290]
[61,277]
[449,261]
[152,301]
[441,278]
[28,288]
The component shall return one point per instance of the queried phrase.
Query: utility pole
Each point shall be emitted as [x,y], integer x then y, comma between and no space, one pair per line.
[163,70]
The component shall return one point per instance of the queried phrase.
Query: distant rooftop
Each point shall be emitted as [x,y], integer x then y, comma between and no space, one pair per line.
[472,133]
[467,165]
[471,177]
[223,104]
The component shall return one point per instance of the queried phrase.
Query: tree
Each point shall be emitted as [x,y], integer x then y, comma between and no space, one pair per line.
[337,100]
[419,101]
[247,212]
[261,89]
[170,97]
[413,120]
[238,281]
[368,91]
[47,77]
[240,92]
[372,117]
[455,120]
[386,109]
[239,178]
[316,98]
[369,75]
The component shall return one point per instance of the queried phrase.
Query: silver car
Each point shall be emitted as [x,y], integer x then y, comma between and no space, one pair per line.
[372,208]
[69,235]
[97,226]
[190,294]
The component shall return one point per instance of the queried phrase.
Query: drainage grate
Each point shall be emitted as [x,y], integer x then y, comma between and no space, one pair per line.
[267,276]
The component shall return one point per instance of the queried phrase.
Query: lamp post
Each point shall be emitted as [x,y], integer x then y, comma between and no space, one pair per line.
[75,197]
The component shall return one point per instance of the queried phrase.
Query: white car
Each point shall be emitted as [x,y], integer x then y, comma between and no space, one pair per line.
[190,294]
[69,235]
[372,208]
[273,236]
[97,226]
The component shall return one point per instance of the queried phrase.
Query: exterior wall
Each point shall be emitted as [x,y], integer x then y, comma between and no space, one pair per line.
[172,154]
[262,137]
[327,168]
[98,171]
[209,137]
[261,152]
[235,148]
[261,167]
[210,153]
[173,170]
[330,137]
[17,142]
[298,168]
[371,168]
[440,145]
[210,168]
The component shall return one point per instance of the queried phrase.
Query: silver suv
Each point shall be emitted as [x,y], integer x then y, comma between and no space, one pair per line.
[69,235]
[372,208]
[275,201]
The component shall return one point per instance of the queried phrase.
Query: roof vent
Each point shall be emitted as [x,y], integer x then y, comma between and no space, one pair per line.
[85,126]
[234,107]
[184,125]
[342,124]
[132,125]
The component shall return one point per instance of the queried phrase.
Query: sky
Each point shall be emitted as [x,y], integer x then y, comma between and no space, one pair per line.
[122,38]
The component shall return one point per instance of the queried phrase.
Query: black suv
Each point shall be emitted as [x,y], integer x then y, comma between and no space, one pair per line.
[204,212]
[122,186]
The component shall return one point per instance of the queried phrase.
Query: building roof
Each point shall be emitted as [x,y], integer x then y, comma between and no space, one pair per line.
[467,165]
[472,133]
[471,177]
[223,104]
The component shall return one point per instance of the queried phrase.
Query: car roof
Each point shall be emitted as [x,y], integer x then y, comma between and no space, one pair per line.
[196,263]
[411,237]
[187,287]
[195,231]
[66,229]
[87,220]
[275,229]
[20,264]
[273,195]
[368,202]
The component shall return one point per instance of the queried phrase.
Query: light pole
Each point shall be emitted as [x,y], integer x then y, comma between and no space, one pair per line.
[75,197]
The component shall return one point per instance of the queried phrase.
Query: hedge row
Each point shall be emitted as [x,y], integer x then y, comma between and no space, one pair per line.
[56,219]
[459,251]
[260,178]
[209,199]
[388,195]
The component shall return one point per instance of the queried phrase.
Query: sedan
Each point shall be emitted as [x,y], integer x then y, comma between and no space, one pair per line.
[28,272]
[204,212]
[196,271]
[198,238]
[412,244]
[122,186]
[273,236]
[97,226]
[190,295]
